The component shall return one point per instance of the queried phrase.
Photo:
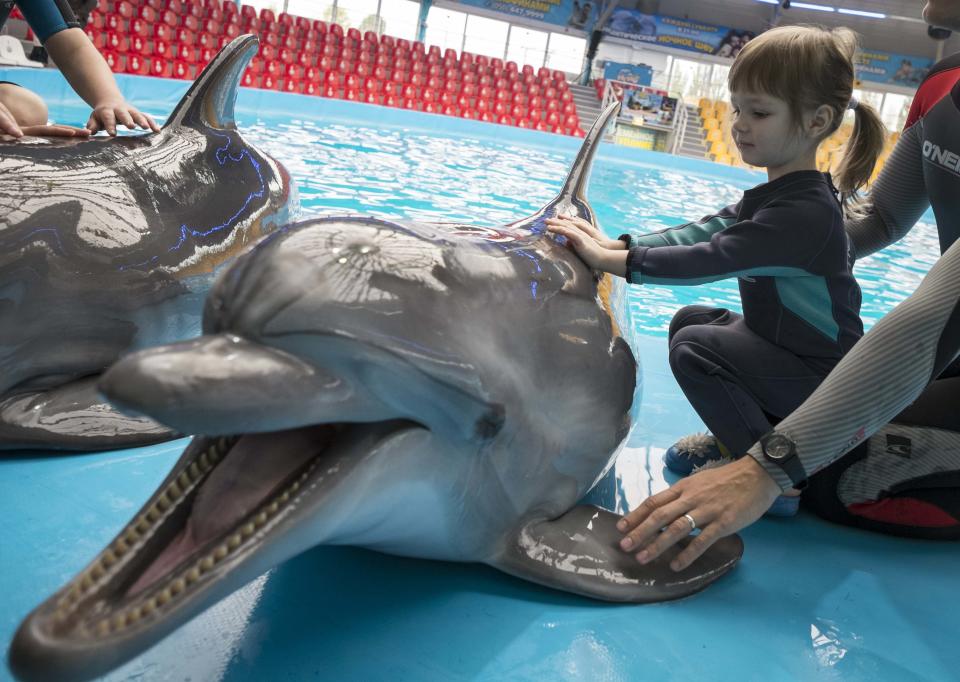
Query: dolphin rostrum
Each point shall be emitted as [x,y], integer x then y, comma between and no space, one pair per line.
[108,245]
[430,390]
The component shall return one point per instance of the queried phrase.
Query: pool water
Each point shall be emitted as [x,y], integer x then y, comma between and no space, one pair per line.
[809,600]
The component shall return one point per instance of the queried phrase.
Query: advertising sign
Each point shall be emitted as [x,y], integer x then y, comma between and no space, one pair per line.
[887,67]
[628,73]
[678,33]
[576,14]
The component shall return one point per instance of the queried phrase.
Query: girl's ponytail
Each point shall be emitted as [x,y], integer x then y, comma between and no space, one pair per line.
[862,151]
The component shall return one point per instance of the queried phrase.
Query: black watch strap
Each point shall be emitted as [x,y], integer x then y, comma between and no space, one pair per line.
[779,449]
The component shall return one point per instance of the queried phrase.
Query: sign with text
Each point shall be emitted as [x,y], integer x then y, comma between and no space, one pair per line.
[576,14]
[887,67]
[683,34]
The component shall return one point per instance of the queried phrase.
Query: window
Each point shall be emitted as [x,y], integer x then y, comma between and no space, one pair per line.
[527,46]
[486,36]
[399,18]
[275,5]
[895,110]
[565,53]
[361,14]
[445,28]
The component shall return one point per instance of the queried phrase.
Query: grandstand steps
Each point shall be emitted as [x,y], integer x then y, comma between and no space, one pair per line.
[588,106]
[694,145]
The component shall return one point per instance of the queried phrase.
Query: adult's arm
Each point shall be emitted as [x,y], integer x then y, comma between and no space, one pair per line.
[883,373]
[897,199]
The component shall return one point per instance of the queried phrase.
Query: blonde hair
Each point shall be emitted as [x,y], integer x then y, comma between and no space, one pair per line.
[807,67]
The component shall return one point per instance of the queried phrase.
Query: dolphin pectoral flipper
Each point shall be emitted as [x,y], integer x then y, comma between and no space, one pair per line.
[73,416]
[579,552]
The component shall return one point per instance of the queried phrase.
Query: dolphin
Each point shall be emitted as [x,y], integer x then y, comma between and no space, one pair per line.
[442,391]
[108,245]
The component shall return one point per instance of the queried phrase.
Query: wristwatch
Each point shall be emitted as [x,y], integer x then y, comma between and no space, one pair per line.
[782,451]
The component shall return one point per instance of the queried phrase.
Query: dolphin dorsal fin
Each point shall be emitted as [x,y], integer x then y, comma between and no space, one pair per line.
[572,199]
[210,100]
[575,186]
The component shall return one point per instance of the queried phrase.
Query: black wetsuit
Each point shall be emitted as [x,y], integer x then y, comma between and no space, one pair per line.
[786,244]
[893,402]
[45,17]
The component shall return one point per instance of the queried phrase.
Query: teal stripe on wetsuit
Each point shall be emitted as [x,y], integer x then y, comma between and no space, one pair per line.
[785,243]
[683,235]
[47,17]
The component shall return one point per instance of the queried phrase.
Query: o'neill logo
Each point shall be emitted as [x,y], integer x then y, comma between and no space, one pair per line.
[942,157]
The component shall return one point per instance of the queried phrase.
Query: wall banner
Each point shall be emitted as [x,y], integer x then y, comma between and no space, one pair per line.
[628,73]
[580,15]
[683,34]
[887,67]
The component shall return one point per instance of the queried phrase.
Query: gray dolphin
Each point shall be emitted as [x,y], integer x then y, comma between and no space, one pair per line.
[430,390]
[108,245]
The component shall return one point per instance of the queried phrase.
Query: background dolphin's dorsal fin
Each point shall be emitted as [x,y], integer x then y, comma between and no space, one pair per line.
[210,100]
[572,199]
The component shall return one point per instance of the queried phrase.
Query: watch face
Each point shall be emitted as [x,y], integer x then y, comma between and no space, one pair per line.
[778,447]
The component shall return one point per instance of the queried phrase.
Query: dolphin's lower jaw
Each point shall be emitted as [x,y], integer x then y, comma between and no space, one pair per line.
[162,569]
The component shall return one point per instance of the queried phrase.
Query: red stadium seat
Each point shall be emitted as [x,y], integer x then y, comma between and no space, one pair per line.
[511,67]
[160,67]
[124,9]
[139,45]
[117,42]
[170,18]
[185,53]
[114,61]
[185,36]
[96,19]
[182,70]
[354,34]
[267,16]
[138,27]
[137,64]
[319,26]
[162,49]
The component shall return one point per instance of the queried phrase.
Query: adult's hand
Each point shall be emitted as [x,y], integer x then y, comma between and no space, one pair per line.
[8,124]
[721,501]
[107,115]
[55,131]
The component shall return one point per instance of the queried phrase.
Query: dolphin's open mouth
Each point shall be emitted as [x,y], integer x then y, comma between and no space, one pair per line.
[224,497]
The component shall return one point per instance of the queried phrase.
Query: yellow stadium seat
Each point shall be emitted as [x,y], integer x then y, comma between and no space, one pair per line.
[711,124]
[715,135]
[705,103]
[723,158]
[721,108]
[718,148]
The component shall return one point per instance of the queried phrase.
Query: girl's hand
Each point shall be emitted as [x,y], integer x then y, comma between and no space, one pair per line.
[594,232]
[105,116]
[8,124]
[55,131]
[590,252]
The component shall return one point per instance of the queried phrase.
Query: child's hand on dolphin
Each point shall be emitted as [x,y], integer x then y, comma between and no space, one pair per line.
[588,228]
[107,115]
[8,124]
[55,130]
[590,252]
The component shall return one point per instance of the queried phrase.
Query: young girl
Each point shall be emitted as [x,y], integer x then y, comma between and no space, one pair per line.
[784,241]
